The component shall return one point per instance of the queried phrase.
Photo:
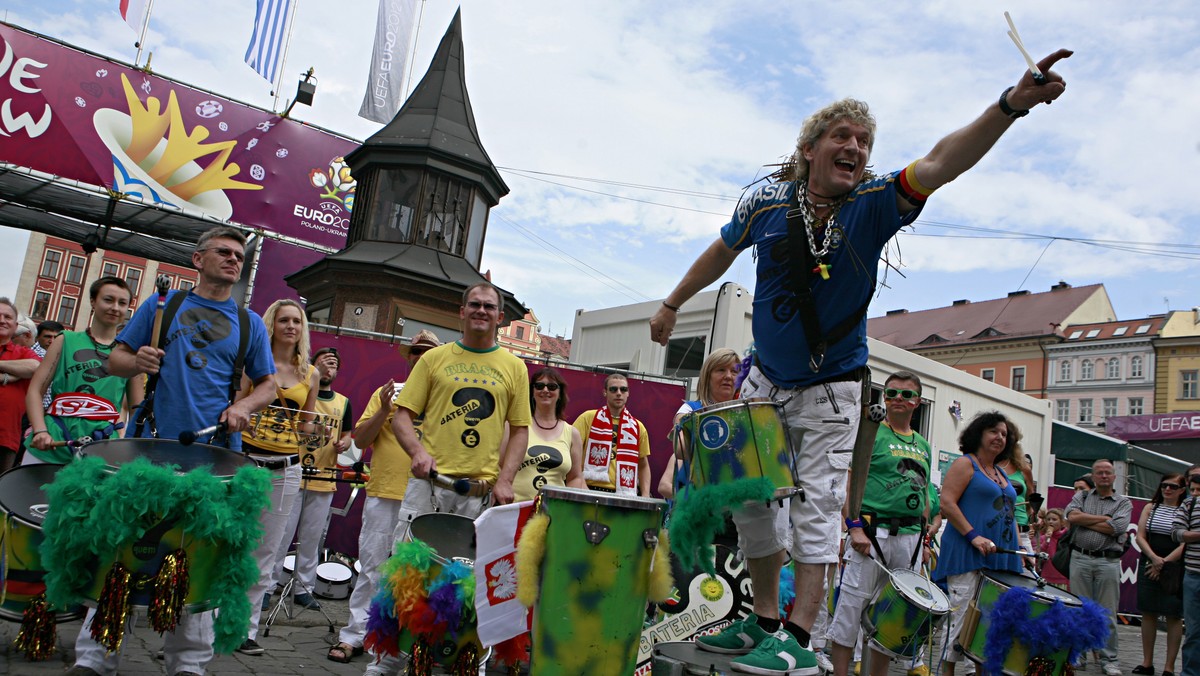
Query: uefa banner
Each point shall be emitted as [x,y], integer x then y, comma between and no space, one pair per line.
[83,117]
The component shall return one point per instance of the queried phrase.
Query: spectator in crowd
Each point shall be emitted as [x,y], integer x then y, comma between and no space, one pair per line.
[47,331]
[1053,530]
[1186,531]
[1102,518]
[616,446]
[1160,573]
[555,453]
[17,365]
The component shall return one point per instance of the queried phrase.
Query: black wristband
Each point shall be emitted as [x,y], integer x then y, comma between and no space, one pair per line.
[670,307]
[1008,110]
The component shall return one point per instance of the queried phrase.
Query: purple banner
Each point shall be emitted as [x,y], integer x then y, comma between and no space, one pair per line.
[87,118]
[367,364]
[1180,425]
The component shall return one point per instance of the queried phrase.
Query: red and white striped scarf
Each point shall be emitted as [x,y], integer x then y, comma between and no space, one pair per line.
[600,451]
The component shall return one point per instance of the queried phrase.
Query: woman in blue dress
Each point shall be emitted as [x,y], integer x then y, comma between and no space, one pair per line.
[978,503]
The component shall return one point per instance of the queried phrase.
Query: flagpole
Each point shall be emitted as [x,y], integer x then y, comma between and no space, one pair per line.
[287,43]
[142,38]
[412,57]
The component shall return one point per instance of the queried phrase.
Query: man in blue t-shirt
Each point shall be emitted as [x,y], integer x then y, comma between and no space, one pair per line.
[195,369]
[845,215]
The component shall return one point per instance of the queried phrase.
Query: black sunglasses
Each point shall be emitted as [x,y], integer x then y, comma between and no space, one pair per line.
[1167,485]
[553,387]
[1195,478]
[893,393]
[616,388]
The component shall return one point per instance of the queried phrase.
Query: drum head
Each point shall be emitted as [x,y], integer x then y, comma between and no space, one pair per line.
[1009,580]
[601,498]
[921,591]
[117,452]
[333,571]
[1050,594]
[21,493]
[452,536]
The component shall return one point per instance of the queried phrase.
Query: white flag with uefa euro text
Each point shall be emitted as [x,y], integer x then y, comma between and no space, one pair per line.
[389,60]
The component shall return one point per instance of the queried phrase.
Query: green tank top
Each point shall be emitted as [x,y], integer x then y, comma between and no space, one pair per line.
[1022,506]
[82,368]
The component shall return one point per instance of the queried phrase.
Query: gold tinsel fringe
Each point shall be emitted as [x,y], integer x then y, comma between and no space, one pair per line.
[108,624]
[170,591]
[38,636]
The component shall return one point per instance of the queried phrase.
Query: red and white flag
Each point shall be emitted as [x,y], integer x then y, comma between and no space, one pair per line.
[134,13]
[497,531]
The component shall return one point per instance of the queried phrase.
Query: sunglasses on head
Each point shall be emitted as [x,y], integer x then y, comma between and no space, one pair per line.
[893,393]
[553,387]
[1195,478]
[617,388]
[1168,486]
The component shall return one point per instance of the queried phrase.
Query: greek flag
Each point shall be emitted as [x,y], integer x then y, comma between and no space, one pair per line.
[266,44]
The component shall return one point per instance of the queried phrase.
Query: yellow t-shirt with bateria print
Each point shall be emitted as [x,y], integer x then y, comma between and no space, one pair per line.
[467,396]
[334,412]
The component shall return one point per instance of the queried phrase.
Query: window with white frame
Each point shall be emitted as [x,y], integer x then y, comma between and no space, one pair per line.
[1135,367]
[1085,410]
[1086,370]
[50,263]
[1110,407]
[110,270]
[66,311]
[1018,378]
[988,375]
[186,285]
[1189,382]
[75,268]
[1064,370]
[1112,369]
[1136,407]
[1062,410]
[41,305]
[133,277]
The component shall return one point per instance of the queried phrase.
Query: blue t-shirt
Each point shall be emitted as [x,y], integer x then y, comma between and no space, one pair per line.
[863,226]
[201,347]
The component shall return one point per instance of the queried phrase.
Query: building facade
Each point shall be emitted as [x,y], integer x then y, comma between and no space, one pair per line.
[1177,372]
[1103,370]
[56,275]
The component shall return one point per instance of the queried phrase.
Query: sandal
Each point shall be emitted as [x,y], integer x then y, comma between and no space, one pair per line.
[344,652]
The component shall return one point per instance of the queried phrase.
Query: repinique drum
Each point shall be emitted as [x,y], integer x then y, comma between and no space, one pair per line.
[452,537]
[23,504]
[333,580]
[744,438]
[162,536]
[992,584]
[905,612]
[594,581]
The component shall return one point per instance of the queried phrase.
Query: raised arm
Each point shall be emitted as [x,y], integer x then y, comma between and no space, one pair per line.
[707,269]
[962,149]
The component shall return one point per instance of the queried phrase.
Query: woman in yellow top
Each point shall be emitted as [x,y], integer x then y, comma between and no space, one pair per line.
[555,452]
[275,444]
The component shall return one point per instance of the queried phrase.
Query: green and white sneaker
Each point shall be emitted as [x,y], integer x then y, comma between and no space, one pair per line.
[778,655]
[738,638]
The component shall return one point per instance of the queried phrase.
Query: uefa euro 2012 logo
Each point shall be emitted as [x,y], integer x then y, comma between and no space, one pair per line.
[335,182]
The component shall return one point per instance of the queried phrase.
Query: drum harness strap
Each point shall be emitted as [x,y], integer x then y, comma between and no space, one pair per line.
[871,522]
[804,267]
[146,414]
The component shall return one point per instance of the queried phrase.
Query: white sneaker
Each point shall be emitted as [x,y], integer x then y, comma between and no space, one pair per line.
[823,662]
[1113,669]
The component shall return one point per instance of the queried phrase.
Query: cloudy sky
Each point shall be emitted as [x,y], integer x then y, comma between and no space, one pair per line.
[627,130]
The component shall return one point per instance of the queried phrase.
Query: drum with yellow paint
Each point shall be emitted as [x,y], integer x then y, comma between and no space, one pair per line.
[594,581]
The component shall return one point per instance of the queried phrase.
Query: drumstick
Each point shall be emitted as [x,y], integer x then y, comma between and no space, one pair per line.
[1041,556]
[460,486]
[1038,77]
[162,285]
[188,437]
[74,443]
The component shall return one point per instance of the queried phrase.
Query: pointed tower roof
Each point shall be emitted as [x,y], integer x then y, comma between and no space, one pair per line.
[435,127]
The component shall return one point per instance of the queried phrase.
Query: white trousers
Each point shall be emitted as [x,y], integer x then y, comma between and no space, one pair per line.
[188,648]
[306,525]
[285,484]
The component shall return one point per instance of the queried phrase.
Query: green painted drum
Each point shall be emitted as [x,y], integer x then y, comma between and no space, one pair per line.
[745,438]
[594,582]
[144,556]
[974,634]
[903,615]
[23,505]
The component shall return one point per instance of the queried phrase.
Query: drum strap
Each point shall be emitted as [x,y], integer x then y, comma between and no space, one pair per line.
[803,268]
[146,414]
